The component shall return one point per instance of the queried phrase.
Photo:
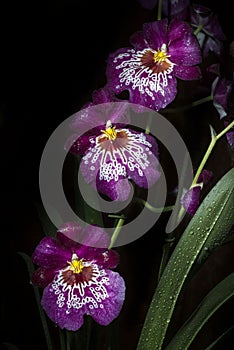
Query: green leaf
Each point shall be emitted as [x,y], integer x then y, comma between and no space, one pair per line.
[221,338]
[215,216]
[222,292]
[30,267]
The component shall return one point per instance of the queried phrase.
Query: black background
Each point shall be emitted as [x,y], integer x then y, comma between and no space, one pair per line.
[53,55]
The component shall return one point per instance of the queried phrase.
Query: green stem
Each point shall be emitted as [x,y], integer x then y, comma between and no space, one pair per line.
[190,105]
[202,100]
[116,232]
[213,141]
[159,16]
[148,126]
[156,210]
[199,28]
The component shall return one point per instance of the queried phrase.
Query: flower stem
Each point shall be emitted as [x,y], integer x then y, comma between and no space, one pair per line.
[153,209]
[191,105]
[202,100]
[148,126]
[214,139]
[199,28]
[116,232]
[159,16]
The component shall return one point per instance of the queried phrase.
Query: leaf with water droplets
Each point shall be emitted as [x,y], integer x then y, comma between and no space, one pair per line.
[219,217]
[221,293]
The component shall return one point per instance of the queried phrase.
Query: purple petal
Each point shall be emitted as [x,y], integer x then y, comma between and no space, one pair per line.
[69,234]
[209,21]
[190,200]
[150,173]
[77,145]
[221,90]
[176,9]
[184,47]
[138,40]
[97,116]
[156,33]
[205,176]
[212,45]
[104,95]
[102,298]
[113,304]
[115,190]
[71,321]
[85,241]
[42,277]
[50,254]
[230,139]
[159,100]
[109,259]
[187,73]
[230,135]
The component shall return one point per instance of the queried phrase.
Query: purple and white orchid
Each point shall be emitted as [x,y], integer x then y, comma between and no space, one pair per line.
[113,154]
[77,278]
[160,53]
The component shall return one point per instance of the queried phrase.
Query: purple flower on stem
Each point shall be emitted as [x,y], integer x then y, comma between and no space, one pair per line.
[210,35]
[191,198]
[111,153]
[160,53]
[77,278]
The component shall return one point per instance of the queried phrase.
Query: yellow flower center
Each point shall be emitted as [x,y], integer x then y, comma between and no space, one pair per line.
[76,264]
[161,55]
[110,131]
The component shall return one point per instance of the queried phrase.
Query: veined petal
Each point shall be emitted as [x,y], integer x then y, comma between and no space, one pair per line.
[96,116]
[115,190]
[70,319]
[85,241]
[188,54]
[99,293]
[138,40]
[42,277]
[112,305]
[50,254]
[188,73]
[77,145]
[156,33]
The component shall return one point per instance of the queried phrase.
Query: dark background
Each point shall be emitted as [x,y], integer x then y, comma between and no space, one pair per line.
[53,55]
